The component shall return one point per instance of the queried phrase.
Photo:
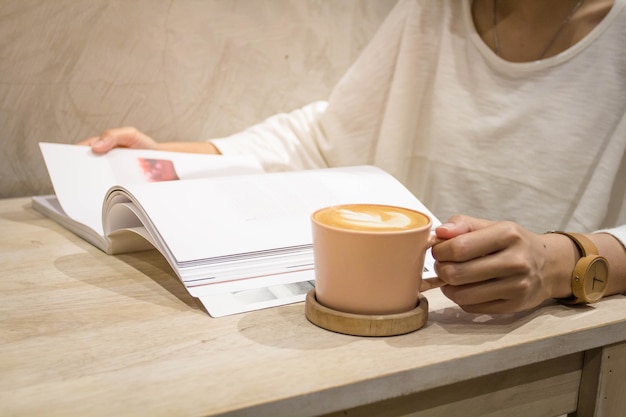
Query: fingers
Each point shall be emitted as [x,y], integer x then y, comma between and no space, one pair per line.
[103,144]
[496,296]
[489,267]
[468,246]
[470,271]
[458,225]
[97,144]
[123,137]
[88,141]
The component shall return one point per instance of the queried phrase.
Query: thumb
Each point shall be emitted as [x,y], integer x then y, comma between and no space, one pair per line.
[458,225]
[102,145]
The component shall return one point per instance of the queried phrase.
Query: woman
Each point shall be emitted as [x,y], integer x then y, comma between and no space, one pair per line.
[498,109]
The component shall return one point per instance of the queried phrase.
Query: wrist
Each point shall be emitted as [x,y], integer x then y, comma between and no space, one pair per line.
[590,276]
[561,260]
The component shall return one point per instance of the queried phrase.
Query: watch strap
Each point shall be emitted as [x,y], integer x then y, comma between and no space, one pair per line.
[585,245]
[588,250]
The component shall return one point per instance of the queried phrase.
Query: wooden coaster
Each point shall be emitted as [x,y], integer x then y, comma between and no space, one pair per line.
[362,324]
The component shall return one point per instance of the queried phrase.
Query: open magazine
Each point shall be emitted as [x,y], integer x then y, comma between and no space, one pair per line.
[238,238]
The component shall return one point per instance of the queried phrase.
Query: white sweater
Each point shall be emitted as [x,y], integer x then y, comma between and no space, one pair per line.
[540,143]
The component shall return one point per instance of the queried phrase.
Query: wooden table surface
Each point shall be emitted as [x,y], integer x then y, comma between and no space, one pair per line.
[83,333]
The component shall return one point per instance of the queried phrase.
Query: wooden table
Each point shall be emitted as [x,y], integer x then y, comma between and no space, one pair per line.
[83,333]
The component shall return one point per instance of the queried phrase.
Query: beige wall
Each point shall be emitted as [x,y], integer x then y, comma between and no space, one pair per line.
[178,70]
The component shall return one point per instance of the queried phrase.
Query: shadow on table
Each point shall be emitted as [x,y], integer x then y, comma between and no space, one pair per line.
[449,326]
[117,274]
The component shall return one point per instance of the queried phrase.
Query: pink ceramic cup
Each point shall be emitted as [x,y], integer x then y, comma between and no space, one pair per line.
[369,258]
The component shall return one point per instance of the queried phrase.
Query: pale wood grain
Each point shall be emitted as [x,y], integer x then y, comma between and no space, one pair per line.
[611,396]
[543,389]
[88,334]
[602,385]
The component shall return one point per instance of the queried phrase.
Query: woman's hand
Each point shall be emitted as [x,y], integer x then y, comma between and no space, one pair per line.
[130,137]
[122,137]
[500,267]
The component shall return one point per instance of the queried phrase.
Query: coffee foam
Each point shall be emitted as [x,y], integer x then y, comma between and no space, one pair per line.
[371,217]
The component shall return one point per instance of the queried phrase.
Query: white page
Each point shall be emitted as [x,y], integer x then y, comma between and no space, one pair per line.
[81,178]
[239,297]
[224,216]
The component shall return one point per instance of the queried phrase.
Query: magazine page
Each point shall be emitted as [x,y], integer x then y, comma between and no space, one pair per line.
[242,228]
[81,178]
[243,296]
[223,216]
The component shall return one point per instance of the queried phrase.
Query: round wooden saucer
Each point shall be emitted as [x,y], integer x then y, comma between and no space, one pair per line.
[365,325]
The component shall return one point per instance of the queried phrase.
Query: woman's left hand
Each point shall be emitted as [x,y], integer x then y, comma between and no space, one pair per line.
[500,267]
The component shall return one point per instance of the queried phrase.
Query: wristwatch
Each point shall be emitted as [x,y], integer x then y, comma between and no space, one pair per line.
[591,273]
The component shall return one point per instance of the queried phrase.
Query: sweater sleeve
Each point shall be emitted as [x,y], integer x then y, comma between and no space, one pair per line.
[285,141]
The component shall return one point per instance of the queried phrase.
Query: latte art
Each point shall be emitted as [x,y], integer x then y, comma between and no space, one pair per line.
[374,220]
[371,217]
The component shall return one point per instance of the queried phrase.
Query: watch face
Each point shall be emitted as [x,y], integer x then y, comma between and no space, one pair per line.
[596,279]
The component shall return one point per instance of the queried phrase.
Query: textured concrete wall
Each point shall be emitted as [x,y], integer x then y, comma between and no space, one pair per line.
[178,70]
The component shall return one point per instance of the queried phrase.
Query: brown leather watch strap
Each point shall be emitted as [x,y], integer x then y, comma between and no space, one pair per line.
[585,245]
[588,256]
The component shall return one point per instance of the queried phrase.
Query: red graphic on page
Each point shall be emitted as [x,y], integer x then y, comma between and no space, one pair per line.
[155,170]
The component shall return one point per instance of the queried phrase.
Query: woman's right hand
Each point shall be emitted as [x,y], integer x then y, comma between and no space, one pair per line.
[121,137]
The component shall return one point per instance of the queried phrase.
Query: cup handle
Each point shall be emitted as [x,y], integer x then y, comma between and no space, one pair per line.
[430,283]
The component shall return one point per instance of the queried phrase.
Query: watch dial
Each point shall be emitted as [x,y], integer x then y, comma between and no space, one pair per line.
[597,279]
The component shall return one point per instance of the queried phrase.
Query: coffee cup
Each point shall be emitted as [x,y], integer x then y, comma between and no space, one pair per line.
[369,258]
